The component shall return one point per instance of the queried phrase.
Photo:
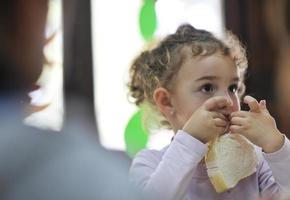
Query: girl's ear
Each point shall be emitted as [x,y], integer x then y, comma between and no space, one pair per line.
[162,99]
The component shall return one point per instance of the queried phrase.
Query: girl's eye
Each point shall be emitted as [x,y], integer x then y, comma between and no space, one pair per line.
[207,88]
[233,88]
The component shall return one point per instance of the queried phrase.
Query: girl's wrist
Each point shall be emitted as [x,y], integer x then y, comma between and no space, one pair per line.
[275,143]
[192,134]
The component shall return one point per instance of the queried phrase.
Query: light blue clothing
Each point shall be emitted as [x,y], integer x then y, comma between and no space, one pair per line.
[176,173]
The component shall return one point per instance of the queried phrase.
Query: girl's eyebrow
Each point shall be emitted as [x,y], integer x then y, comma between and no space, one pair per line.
[206,78]
[234,79]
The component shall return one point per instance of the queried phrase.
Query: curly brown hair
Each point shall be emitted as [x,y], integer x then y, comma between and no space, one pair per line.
[157,67]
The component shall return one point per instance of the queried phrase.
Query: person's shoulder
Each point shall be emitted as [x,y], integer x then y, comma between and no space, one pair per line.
[64,161]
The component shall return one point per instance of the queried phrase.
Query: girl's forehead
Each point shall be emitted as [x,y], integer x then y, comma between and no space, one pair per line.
[211,65]
[211,60]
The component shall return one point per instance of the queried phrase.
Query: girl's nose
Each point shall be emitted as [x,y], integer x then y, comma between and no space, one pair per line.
[227,109]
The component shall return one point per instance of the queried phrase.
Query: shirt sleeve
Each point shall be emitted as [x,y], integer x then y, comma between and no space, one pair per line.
[275,172]
[279,163]
[168,176]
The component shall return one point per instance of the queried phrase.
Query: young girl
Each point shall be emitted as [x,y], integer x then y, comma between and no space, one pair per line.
[195,81]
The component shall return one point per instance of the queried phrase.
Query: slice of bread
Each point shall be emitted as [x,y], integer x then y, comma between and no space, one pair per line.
[230,158]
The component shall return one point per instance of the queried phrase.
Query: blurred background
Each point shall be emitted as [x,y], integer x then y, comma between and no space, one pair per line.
[91,44]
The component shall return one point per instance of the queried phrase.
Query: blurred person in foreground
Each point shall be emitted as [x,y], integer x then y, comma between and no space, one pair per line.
[40,165]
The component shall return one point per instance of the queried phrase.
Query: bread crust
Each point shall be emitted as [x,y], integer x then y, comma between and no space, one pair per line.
[215,173]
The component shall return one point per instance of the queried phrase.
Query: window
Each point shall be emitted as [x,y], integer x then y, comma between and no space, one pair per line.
[117,40]
[48,100]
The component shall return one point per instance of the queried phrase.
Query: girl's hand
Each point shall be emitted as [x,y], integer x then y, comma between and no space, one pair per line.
[257,125]
[205,123]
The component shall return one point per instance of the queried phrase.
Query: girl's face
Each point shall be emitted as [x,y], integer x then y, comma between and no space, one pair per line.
[200,79]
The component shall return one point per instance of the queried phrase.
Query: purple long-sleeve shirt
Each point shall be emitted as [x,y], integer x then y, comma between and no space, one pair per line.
[176,173]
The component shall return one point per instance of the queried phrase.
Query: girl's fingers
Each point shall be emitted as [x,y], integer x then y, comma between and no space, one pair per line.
[238,121]
[236,129]
[219,115]
[252,103]
[242,114]
[221,130]
[220,123]
[215,103]
[263,106]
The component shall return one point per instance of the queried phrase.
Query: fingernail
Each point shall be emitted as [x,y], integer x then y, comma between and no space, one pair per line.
[263,102]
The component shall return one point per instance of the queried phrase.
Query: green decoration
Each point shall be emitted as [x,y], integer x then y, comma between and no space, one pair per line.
[148,19]
[136,136]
